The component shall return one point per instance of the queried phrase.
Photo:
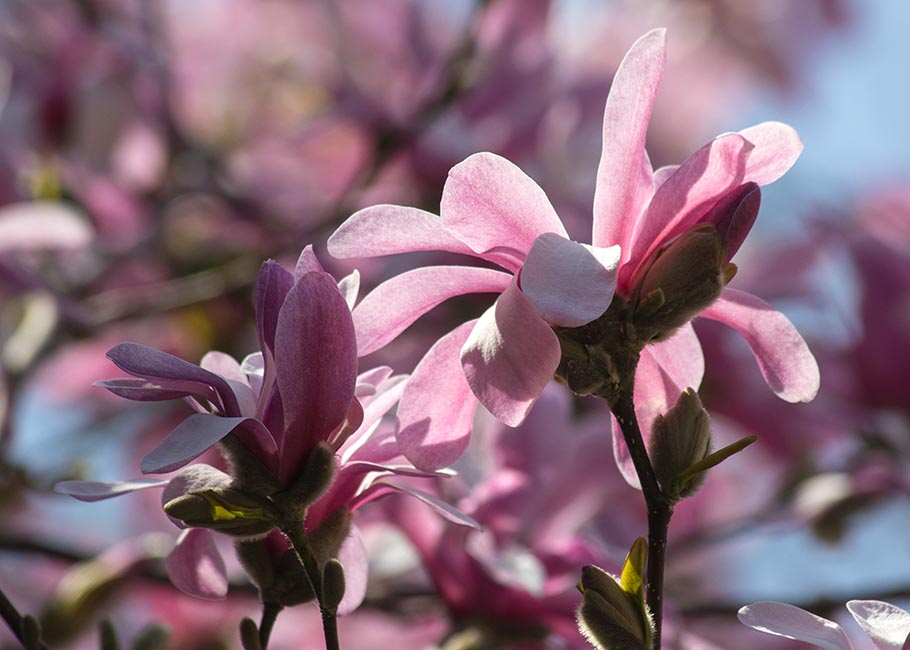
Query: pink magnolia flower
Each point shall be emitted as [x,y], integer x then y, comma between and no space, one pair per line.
[301,389]
[492,211]
[888,626]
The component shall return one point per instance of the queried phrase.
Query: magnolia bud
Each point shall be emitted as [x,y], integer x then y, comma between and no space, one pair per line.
[314,479]
[226,510]
[610,617]
[679,280]
[332,584]
[249,635]
[680,438]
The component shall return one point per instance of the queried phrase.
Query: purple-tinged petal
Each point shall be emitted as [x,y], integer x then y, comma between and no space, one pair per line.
[349,286]
[776,148]
[143,390]
[197,433]
[687,195]
[496,209]
[447,511]
[97,491]
[734,215]
[307,263]
[888,626]
[272,287]
[662,174]
[568,283]
[352,422]
[437,406]
[510,356]
[227,366]
[781,619]
[396,303]
[624,178]
[317,366]
[196,567]
[783,357]
[388,229]
[681,357]
[42,225]
[353,557]
[374,376]
[155,365]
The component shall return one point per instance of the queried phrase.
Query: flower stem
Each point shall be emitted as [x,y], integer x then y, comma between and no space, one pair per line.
[270,613]
[14,620]
[659,508]
[304,550]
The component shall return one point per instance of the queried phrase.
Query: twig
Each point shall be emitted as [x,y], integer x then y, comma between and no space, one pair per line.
[310,564]
[14,619]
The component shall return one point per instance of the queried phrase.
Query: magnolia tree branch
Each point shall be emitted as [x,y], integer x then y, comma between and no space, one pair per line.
[310,564]
[15,621]
[659,509]
[270,613]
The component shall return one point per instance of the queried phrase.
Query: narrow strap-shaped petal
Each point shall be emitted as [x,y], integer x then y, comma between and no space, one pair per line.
[97,491]
[510,356]
[388,229]
[624,179]
[888,626]
[446,511]
[569,284]
[496,209]
[733,216]
[437,406]
[349,286]
[149,363]
[353,557]
[395,304]
[189,439]
[145,390]
[196,567]
[781,619]
[687,195]
[783,357]
[776,146]
[316,356]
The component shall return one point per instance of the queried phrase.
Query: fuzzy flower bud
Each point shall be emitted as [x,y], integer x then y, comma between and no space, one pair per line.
[680,280]
[680,438]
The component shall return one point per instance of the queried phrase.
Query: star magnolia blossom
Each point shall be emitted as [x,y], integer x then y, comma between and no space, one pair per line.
[302,388]
[491,210]
[888,626]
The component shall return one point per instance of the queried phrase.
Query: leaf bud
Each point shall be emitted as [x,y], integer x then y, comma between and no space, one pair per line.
[249,635]
[332,584]
[680,438]
[225,510]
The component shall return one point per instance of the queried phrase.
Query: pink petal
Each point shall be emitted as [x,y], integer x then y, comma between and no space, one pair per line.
[624,179]
[195,566]
[781,619]
[734,215]
[510,356]
[437,406]
[681,357]
[776,148]
[496,209]
[316,366]
[353,557]
[42,225]
[96,491]
[783,357]
[396,303]
[888,626]
[307,263]
[687,195]
[568,283]
[446,511]
[272,288]
[195,435]
[387,229]
[144,390]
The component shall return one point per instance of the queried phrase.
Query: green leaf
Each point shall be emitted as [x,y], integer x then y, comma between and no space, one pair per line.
[713,459]
[633,568]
